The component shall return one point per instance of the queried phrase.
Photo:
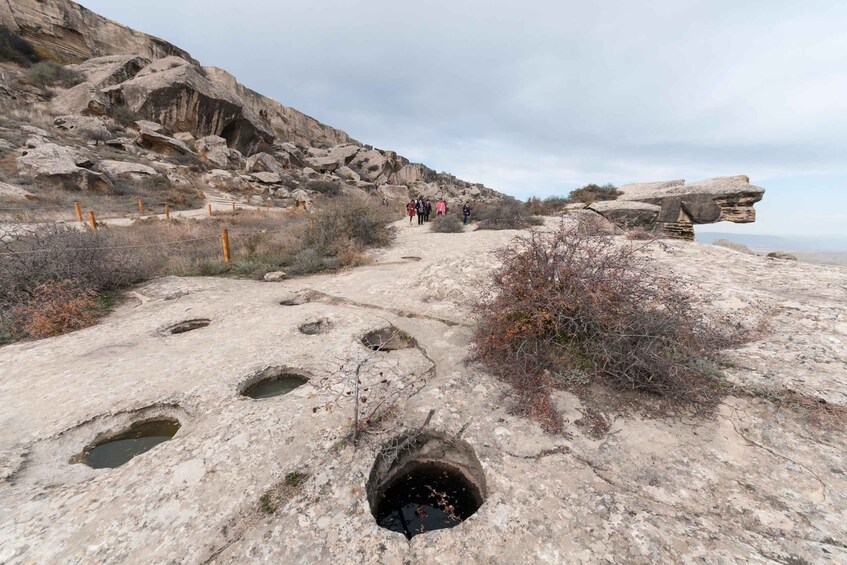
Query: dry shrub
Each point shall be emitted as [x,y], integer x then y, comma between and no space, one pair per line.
[447,224]
[16,49]
[362,221]
[55,308]
[576,302]
[50,73]
[504,214]
[593,193]
[547,207]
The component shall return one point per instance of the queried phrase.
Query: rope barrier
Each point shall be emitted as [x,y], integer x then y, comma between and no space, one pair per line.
[138,246]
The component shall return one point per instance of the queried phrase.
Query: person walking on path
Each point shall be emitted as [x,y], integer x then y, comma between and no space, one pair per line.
[427,210]
[421,208]
[466,213]
[440,207]
[410,209]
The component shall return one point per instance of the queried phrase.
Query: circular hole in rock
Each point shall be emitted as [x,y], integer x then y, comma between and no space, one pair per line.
[274,381]
[424,483]
[141,437]
[187,326]
[411,258]
[388,339]
[316,327]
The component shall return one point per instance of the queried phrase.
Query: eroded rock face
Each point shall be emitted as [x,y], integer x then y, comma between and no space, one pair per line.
[72,31]
[288,124]
[176,94]
[675,207]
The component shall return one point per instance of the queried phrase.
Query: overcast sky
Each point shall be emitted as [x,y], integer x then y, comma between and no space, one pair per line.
[540,97]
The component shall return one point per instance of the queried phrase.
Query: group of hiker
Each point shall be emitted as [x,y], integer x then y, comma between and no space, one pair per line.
[422,208]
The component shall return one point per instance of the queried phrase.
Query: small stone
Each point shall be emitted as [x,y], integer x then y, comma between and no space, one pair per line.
[275,276]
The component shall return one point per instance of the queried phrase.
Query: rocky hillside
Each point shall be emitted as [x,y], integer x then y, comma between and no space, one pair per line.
[156,106]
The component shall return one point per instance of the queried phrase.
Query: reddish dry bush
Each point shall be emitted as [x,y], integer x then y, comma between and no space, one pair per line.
[55,308]
[576,302]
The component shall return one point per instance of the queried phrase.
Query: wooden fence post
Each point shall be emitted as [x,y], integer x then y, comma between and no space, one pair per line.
[210,209]
[225,244]
[78,210]
[91,221]
[233,205]
[141,205]
[167,213]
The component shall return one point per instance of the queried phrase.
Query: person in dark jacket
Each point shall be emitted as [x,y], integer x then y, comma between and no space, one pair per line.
[427,210]
[466,213]
[421,209]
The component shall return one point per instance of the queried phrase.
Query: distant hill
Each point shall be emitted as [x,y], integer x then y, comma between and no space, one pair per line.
[772,242]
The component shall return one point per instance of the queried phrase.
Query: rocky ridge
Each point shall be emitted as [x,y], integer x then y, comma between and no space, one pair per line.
[185,109]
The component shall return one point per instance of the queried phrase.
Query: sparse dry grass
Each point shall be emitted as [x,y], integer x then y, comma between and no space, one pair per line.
[114,257]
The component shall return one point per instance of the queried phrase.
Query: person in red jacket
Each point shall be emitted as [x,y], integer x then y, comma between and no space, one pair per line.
[411,209]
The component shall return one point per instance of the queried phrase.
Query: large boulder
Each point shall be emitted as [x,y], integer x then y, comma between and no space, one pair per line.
[86,99]
[264,163]
[681,206]
[125,169]
[62,167]
[177,94]
[628,213]
[94,128]
[213,149]
[160,143]
[111,69]
[12,192]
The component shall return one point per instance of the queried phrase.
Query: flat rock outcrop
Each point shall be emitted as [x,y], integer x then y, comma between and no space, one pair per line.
[674,207]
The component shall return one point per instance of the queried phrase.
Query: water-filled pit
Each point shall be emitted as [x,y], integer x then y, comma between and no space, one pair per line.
[187,326]
[431,483]
[275,381]
[141,437]
[388,339]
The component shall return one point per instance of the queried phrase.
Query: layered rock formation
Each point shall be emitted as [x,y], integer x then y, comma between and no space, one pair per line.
[129,72]
[72,32]
[674,207]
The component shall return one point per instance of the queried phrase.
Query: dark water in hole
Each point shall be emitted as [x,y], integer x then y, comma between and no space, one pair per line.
[420,501]
[274,387]
[140,438]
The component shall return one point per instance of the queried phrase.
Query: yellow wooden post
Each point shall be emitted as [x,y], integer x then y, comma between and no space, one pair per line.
[167,213]
[78,210]
[225,244]
[91,221]
[140,205]
[210,209]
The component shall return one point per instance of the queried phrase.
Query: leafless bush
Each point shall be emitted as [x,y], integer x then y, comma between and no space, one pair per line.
[373,386]
[447,224]
[361,221]
[42,268]
[593,193]
[574,301]
[504,214]
[547,207]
